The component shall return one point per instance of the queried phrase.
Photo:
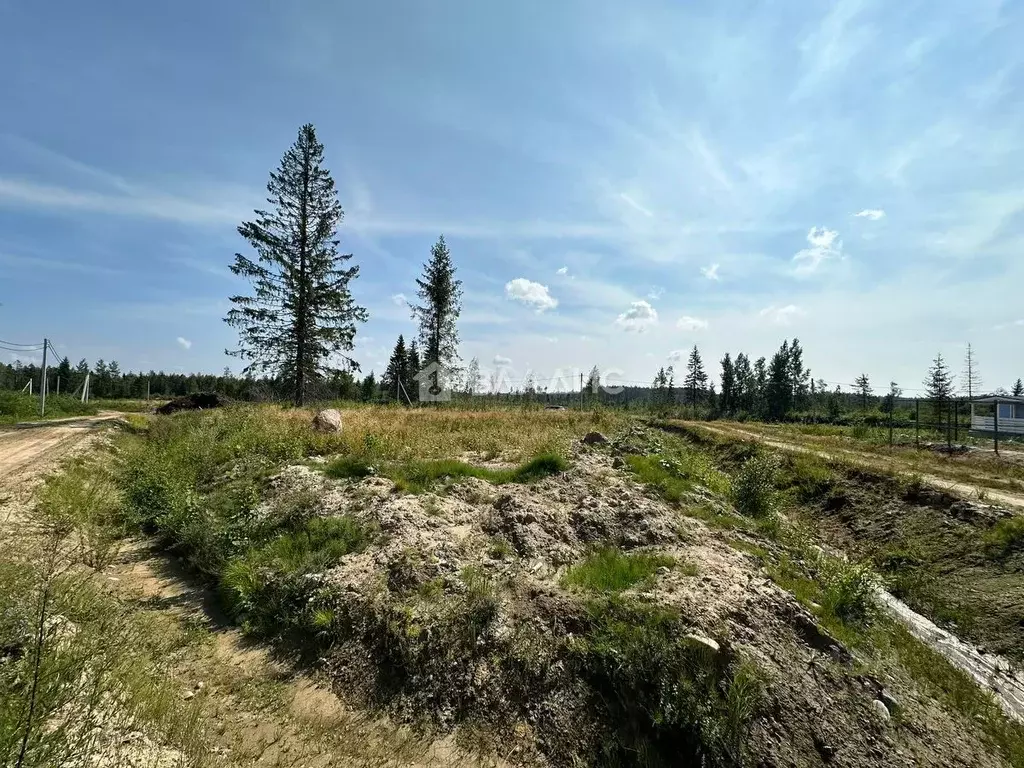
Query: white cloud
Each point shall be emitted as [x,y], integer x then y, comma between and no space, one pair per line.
[824,245]
[185,343]
[676,355]
[691,323]
[531,293]
[782,315]
[639,317]
[655,293]
[710,272]
[635,205]
[871,213]
[400,300]
[501,361]
[562,271]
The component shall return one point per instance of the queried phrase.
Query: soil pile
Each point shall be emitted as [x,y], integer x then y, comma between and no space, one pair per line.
[198,401]
[463,610]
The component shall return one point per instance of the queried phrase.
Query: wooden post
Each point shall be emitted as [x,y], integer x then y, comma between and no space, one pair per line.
[995,422]
[917,422]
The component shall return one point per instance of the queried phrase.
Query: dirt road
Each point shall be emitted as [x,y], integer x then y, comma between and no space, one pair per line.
[28,452]
[957,487]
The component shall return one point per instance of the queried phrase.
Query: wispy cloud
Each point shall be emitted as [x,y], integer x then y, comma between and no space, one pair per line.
[824,244]
[688,323]
[710,272]
[184,343]
[635,205]
[502,362]
[655,293]
[874,214]
[20,193]
[400,300]
[639,317]
[530,293]
[562,271]
[61,265]
[676,355]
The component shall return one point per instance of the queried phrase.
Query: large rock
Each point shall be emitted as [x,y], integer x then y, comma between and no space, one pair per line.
[328,420]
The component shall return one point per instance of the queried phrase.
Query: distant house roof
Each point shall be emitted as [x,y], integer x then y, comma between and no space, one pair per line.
[998,399]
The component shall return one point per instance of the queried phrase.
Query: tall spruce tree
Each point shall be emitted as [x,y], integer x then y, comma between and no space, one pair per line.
[744,384]
[779,393]
[440,295]
[411,384]
[1018,388]
[396,375]
[696,381]
[726,400]
[863,386]
[799,376]
[939,385]
[970,378]
[301,314]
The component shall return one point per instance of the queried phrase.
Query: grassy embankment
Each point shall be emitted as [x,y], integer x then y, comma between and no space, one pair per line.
[983,469]
[195,480]
[68,694]
[965,575]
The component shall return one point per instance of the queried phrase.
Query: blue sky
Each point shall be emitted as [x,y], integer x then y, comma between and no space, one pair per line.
[616,181]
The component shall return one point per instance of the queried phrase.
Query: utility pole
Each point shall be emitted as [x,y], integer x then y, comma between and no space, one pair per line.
[58,385]
[42,383]
[147,390]
[581,391]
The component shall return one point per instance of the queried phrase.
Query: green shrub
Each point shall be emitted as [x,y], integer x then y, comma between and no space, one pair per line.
[676,474]
[848,590]
[672,702]
[611,570]
[1005,536]
[753,489]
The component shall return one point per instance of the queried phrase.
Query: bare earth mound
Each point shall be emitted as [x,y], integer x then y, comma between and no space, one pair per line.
[461,610]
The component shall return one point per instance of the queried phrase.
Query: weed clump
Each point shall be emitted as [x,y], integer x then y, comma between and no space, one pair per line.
[753,490]
[610,570]
[1005,536]
[419,476]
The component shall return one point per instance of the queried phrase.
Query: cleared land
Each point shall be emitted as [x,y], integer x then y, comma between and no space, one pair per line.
[656,598]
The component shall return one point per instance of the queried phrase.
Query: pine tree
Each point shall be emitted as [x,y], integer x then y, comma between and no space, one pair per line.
[64,373]
[368,389]
[301,313]
[411,383]
[970,379]
[396,375]
[1018,388]
[939,385]
[799,376]
[670,386]
[889,404]
[744,384]
[592,387]
[779,394]
[471,383]
[440,296]
[863,387]
[659,388]
[759,391]
[696,380]
[726,398]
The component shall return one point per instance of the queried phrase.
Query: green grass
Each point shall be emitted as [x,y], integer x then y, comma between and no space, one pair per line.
[611,570]
[16,407]
[675,474]
[419,476]
[1005,536]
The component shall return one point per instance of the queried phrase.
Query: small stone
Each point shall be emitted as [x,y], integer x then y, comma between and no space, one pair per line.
[189,695]
[594,438]
[328,420]
[618,463]
[664,570]
[889,700]
[703,642]
[881,710]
